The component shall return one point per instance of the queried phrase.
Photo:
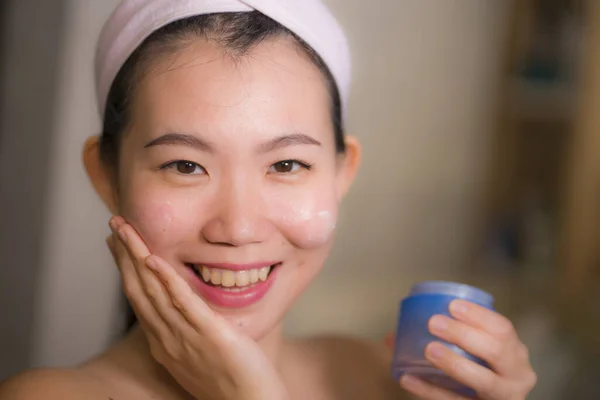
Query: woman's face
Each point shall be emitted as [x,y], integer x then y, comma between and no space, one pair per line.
[229,172]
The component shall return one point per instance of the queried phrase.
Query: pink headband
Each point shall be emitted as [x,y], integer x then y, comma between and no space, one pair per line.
[134,20]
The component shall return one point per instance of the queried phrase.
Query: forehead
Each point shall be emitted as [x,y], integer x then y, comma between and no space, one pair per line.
[273,88]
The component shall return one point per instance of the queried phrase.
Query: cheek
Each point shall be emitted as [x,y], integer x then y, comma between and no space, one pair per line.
[163,219]
[307,221]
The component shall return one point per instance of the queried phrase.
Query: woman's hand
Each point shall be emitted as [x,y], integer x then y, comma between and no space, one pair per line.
[200,349]
[484,334]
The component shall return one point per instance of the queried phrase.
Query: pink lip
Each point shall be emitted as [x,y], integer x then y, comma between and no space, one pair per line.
[237,267]
[222,298]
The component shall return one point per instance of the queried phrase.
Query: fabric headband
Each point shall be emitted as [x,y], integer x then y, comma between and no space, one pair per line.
[134,20]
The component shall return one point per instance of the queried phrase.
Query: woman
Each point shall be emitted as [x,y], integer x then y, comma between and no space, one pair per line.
[223,159]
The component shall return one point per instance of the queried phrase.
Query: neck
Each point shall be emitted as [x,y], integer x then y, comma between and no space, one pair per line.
[272,346]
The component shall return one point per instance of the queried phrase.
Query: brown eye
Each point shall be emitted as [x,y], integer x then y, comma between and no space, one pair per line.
[185,167]
[283,167]
[288,167]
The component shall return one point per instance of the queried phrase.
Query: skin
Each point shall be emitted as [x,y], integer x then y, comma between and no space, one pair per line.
[239,205]
[235,208]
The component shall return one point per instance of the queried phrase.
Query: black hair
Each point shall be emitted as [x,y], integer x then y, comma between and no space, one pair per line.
[236,33]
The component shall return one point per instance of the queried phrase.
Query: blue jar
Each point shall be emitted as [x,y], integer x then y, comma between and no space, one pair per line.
[412,335]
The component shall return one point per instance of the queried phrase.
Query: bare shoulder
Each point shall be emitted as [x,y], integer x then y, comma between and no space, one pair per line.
[50,384]
[355,352]
[358,368]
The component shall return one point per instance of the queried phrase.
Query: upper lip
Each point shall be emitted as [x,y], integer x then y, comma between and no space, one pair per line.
[237,267]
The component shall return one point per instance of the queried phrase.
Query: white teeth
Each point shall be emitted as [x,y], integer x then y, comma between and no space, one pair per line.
[231,279]
[215,277]
[264,273]
[206,274]
[228,279]
[253,275]
[242,278]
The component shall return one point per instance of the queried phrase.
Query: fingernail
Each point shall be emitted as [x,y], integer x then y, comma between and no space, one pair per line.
[438,324]
[151,263]
[113,224]
[122,234]
[459,307]
[409,381]
[436,351]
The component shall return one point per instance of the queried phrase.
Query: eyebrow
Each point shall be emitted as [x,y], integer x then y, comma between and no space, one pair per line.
[286,141]
[184,139]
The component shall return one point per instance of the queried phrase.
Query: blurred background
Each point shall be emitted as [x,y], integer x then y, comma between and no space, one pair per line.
[480,121]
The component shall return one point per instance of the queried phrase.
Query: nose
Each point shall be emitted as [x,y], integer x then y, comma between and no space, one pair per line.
[238,215]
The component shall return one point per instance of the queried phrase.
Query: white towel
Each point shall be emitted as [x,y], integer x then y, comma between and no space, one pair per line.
[134,20]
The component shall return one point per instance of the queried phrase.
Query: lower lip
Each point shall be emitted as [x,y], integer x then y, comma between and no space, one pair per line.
[227,299]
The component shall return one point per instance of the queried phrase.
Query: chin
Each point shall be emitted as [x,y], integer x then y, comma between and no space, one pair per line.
[256,327]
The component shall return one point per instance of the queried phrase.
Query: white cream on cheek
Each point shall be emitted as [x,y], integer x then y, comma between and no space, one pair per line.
[307,221]
[166,219]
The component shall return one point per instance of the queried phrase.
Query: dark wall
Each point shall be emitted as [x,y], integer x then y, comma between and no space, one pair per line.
[30,47]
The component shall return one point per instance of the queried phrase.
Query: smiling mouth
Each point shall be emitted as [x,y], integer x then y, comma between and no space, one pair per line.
[232,280]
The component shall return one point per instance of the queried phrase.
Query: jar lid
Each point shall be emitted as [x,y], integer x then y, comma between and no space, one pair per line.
[454,289]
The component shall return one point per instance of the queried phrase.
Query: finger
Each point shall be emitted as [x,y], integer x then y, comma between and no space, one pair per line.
[133,289]
[153,289]
[116,222]
[132,252]
[485,319]
[427,391]
[485,382]
[136,251]
[145,311]
[496,353]
[171,305]
[117,251]
[133,243]
[195,311]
